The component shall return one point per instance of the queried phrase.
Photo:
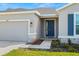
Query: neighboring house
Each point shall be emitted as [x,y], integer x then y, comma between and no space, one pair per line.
[42,23]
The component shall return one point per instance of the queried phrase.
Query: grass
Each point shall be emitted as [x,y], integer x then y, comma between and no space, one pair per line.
[28,52]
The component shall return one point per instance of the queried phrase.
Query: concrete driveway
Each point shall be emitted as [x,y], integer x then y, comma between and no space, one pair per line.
[7,46]
[4,44]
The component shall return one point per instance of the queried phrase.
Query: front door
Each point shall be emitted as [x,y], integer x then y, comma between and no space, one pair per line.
[50,28]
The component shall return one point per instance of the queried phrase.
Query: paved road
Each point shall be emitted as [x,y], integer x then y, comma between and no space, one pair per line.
[4,44]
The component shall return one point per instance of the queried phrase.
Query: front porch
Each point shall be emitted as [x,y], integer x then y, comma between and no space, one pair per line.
[47,38]
[49,28]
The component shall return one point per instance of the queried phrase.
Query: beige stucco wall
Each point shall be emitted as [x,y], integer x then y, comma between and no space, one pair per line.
[63,18]
[63,23]
[34,28]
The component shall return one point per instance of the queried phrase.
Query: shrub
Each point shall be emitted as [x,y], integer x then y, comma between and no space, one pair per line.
[58,42]
[71,49]
[55,43]
[69,42]
[76,46]
[57,50]
[66,45]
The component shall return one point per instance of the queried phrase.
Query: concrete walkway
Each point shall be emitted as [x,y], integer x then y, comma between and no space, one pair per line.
[7,46]
[46,44]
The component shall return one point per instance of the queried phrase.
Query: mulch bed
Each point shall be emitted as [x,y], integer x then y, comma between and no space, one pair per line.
[56,46]
[37,42]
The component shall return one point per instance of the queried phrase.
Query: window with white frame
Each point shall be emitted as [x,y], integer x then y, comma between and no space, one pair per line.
[77,24]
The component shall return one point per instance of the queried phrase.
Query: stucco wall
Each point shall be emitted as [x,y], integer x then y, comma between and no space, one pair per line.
[34,27]
[63,18]
[42,28]
[63,22]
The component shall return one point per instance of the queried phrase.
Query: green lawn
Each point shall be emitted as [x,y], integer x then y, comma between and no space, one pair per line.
[28,52]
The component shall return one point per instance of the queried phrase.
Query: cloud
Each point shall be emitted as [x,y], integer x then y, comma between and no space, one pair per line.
[43,5]
[4,6]
[53,5]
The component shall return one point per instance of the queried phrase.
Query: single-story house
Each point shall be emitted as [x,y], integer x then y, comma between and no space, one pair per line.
[42,23]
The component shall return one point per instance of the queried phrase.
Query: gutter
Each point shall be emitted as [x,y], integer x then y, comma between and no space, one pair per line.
[36,12]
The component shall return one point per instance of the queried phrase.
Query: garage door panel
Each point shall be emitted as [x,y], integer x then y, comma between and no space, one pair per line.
[17,31]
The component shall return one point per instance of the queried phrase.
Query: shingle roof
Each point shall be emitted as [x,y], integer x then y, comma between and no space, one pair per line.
[46,11]
[40,10]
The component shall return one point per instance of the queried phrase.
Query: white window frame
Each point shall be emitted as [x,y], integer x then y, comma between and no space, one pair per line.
[77,35]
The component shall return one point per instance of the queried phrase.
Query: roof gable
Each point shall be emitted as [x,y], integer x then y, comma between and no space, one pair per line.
[65,6]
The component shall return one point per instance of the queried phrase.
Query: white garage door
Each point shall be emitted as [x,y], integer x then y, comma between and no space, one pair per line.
[14,30]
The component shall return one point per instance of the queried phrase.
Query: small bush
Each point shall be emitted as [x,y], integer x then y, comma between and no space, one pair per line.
[66,45]
[55,43]
[71,49]
[58,42]
[69,42]
[57,50]
[76,46]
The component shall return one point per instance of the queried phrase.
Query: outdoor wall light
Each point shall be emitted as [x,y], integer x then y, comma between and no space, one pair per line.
[31,23]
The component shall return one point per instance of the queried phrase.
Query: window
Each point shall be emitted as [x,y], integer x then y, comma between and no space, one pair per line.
[77,24]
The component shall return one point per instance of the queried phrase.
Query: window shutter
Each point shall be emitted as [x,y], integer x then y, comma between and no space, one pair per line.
[70,24]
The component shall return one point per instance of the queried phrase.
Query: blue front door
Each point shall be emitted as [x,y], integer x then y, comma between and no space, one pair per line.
[50,27]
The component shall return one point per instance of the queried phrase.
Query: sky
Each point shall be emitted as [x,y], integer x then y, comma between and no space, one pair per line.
[4,6]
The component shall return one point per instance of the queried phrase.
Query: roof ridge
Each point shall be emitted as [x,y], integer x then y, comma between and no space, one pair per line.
[64,6]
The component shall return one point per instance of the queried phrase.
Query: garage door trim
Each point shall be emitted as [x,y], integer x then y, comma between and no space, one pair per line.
[19,20]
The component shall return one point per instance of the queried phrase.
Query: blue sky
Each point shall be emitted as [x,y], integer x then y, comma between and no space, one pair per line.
[4,6]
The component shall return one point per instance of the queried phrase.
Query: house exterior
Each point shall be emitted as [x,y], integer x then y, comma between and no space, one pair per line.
[46,24]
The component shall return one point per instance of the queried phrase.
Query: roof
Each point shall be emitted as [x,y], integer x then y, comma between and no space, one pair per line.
[16,10]
[48,15]
[46,11]
[4,13]
[64,6]
[40,10]
[43,12]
